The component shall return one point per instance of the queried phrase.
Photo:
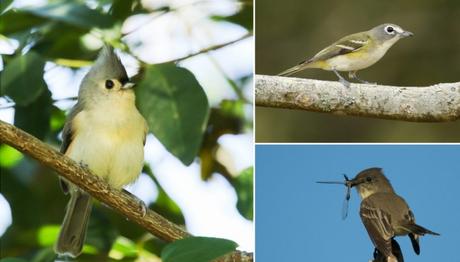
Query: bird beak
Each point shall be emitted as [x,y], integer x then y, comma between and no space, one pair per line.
[354,182]
[406,34]
[128,85]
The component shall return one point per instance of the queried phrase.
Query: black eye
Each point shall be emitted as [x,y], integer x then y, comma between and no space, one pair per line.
[109,84]
[369,179]
[390,29]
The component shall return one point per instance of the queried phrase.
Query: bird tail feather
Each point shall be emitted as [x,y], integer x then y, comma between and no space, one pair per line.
[73,229]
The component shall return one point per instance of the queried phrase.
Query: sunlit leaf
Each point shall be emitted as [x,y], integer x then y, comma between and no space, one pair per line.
[244,190]
[47,235]
[175,107]
[74,13]
[197,249]
[9,156]
[122,248]
[22,78]
[4,4]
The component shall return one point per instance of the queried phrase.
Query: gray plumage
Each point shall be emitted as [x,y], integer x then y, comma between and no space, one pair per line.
[110,131]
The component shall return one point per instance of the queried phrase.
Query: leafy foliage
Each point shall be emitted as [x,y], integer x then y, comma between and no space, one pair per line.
[175,107]
[169,96]
[197,249]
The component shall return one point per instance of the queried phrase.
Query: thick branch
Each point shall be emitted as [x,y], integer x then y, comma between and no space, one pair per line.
[436,103]
[125,204]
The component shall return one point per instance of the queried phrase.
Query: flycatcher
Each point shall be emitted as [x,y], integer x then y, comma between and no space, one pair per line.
[104,132]
[385,214]
[353,52]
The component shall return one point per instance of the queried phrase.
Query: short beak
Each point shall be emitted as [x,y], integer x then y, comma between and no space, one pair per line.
[354,182]
[406,34]
[128,85]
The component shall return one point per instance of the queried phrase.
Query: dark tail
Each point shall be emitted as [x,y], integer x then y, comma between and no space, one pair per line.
[73,229]
[419,230]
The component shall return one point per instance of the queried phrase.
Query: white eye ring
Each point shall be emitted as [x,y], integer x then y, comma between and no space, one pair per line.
[390,30]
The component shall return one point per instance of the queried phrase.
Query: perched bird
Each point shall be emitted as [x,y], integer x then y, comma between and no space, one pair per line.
[384,213]
[353,52]
[105,133]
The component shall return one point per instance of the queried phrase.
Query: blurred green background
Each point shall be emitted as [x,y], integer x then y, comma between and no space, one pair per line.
[293,30]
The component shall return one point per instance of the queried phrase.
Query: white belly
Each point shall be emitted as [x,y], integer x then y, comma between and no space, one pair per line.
[113,150]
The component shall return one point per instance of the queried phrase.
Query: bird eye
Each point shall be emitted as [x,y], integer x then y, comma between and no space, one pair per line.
[369,179]
[109,84]
[389,29]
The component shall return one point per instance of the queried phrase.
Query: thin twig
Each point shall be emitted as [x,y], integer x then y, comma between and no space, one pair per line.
[211,48]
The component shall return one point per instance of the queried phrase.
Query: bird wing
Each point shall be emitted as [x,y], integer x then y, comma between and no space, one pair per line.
[348,44]
[378,226]
[67,137]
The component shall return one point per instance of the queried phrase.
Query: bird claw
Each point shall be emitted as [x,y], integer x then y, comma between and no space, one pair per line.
[142,207]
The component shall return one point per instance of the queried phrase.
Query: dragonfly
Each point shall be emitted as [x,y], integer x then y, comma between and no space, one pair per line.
[347,196]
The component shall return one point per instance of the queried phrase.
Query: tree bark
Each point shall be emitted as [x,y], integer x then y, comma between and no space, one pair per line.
[123,203]
[436,103]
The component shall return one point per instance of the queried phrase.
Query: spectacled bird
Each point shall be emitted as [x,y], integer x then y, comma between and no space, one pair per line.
[353,52]
[385,214]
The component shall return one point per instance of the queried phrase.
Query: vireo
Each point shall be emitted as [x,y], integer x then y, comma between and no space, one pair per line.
[353,52]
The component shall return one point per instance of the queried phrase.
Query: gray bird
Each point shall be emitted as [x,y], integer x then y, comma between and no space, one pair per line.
[384,214]
[104,132]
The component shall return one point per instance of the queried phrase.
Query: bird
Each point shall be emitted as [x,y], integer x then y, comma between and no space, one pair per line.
[353,52]
[105,133]
[385,214]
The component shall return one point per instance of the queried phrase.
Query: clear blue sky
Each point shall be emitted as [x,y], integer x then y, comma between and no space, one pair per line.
[300,220]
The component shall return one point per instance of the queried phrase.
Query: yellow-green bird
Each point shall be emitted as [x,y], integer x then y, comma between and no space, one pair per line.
[353,52]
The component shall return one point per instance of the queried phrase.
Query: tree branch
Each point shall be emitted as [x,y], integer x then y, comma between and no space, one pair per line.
[123,203]
[436,103]
[211,48]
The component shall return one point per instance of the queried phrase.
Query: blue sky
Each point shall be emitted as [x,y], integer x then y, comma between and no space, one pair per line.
[300,220]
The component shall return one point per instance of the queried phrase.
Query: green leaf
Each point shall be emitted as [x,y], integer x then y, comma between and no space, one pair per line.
[9,156]
[14,21]
[197,249]
[121,9]
[73,13]
[243,17]
[4,4]
[123,247]
[22,78]
[175,107]
[35,117]
[63,41]
[12,259]
[244,189]
[47,235]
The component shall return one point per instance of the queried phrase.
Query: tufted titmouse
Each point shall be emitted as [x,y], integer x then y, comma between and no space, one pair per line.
[105,132]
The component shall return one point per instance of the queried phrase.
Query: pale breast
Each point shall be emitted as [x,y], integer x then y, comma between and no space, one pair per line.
[110,143]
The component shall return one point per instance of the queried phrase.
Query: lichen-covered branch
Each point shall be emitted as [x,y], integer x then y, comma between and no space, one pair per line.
[123,203]
[436,103]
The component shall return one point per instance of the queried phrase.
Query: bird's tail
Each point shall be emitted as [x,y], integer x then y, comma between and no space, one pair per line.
[301,66]
[73,229]
[419,230]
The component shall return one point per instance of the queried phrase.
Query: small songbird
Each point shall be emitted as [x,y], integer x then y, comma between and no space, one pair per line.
[353,52]
[385,214]
[105,133]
